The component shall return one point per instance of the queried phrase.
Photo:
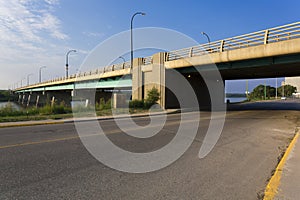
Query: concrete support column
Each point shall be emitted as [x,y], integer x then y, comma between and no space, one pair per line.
[24,99]
[92,96]
[158,76]
[20,98]
[137,79]
[59,97]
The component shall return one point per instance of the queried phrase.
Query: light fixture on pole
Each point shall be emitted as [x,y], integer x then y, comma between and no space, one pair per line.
[67,62]
[40,73]
[208,39]
[122,58]
[131,35]
[203,33]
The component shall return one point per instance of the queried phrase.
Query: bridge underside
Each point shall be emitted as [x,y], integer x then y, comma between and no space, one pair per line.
[91,91]
[270,67]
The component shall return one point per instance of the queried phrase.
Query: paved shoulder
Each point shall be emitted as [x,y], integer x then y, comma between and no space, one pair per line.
[285,183]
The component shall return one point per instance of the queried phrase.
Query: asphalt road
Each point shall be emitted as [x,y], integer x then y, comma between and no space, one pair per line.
[50,162]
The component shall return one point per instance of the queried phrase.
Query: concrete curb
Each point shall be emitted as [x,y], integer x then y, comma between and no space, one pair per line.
[71,120]
[272,187]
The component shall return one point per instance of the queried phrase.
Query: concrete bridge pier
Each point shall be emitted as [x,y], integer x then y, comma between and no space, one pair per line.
[31,99]
[24,99]
[56,97]
[177,89]
[20,98]
[92,96]
[145,78]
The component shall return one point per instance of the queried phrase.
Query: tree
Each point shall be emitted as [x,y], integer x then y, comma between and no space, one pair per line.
[288,90]
[152,97]
[260,91]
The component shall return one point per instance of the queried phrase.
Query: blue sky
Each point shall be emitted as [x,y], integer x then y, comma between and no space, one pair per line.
[35,33]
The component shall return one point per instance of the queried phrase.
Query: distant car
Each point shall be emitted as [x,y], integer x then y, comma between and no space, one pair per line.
[283,98]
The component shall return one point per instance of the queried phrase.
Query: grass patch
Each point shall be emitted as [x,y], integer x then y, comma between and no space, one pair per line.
[12,114]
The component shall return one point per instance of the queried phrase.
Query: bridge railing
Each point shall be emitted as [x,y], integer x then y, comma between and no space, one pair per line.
[281,33]
[115,67]
[147,60]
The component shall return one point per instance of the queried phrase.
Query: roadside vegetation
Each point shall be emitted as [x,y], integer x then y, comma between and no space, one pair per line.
[5,95]
[262,92]
[9,113]
[152,97]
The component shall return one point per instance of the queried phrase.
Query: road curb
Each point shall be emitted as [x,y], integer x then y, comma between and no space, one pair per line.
[272,187]
[70,120]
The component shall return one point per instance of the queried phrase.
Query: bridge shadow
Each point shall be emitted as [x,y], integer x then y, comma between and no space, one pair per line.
[289,104]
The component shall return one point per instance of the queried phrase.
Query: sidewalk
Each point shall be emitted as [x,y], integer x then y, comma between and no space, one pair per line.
[285,183]
[70,120]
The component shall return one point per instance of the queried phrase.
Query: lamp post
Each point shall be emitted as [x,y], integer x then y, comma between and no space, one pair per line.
[282,84]
[208,39]
[28,78]
[276,89]
[40,73]
[247,89]
[122,58]
[22,82]
[265,90]
[67,62]
[131,35]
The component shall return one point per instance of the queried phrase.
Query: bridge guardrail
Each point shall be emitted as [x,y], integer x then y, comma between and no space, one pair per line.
[281,33]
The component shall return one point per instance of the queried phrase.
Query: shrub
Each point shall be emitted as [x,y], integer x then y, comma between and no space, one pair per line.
[102,105]
[55,109]
[9,110]
[152,97]
[136,104]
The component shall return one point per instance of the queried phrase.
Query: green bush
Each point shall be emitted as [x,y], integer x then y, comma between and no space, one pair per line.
[152,97]
[55,109]
[102,105]
[136,104]
[9,110]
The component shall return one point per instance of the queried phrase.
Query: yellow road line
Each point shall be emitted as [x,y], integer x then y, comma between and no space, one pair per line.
[109,132]
[29,124]
[38,142]
[271,189]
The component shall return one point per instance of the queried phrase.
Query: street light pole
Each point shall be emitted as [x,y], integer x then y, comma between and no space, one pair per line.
[208,39]
[22,82]
[67,62]
[265,91]
[40,73]
[276,89]
[282,84]
[28,78]
[131,35]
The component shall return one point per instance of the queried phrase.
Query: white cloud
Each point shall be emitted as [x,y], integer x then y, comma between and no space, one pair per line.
[30,36]
[26,21]
[52,2]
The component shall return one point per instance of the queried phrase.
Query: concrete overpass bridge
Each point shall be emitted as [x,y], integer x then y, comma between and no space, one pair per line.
[273,52]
